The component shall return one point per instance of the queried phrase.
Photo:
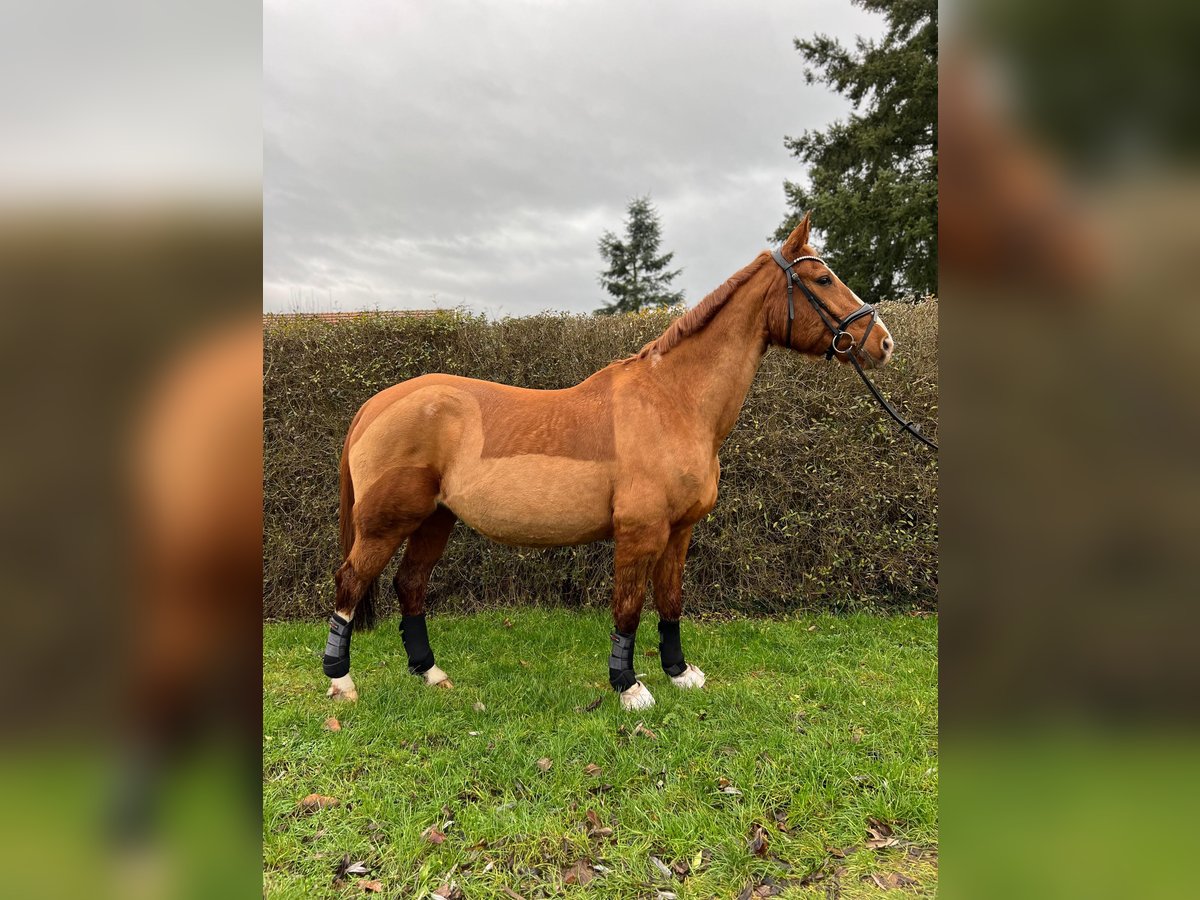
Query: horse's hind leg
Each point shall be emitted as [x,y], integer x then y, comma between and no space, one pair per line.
[392,509]
[424,549]
[668,599]
[355,581]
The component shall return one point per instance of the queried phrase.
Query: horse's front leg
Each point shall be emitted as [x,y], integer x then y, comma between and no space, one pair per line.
[638,545]
[668,599]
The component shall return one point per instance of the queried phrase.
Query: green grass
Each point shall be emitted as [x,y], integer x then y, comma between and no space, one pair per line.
[820,722]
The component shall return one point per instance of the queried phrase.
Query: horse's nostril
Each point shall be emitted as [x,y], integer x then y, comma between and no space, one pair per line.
[887,345]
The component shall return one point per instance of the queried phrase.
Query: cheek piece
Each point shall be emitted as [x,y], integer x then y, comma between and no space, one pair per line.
[416,644]
[620,662]
[670,651]
[337,648]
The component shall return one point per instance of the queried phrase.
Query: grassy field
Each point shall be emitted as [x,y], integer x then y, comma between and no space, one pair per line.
[808,766]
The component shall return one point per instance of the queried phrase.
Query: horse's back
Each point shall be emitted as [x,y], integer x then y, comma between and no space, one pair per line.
[522,466]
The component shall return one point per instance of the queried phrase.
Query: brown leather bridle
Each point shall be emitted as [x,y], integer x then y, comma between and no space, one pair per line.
[841,340]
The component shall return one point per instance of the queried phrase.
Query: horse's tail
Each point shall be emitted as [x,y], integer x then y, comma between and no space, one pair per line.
[364,612]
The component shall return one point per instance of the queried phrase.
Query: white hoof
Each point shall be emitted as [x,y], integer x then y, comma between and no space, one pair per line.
[342,689]
[435,677]
[691,677]
[637,697]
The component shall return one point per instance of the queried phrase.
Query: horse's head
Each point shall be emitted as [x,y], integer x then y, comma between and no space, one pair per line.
[811,311]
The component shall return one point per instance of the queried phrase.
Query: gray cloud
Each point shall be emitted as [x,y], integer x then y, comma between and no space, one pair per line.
[471,153]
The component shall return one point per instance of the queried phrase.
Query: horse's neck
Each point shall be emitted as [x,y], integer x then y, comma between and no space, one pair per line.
[712,370]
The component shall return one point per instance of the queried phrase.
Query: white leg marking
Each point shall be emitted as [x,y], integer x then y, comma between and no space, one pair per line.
[691,677]
[342,688]
[637,697]
[435,677]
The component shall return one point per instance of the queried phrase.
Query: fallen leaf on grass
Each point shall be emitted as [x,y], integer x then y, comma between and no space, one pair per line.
[663,869]
[592,769]
[345,867]
[512,893]
[478,707]
[594,827]
[332,724]
[650,651]
[891,881]
[856,735]
[758,840]
[508,623]
[545,763]
[525,663]
[314,802]
[681,869]
[879,835]
[580,873]
[725,786]
[433,835]
[928,853]
[642,729]
[449,891]
[595,704]
[372,887]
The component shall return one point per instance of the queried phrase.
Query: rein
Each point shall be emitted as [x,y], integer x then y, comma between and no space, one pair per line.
[842,341]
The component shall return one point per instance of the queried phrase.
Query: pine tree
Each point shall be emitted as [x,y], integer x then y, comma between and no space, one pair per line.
[872,179]
[637,277]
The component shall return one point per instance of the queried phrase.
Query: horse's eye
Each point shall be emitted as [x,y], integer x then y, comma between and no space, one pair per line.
[824,279]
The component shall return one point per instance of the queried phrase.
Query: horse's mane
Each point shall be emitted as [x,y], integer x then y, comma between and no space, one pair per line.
[702,313]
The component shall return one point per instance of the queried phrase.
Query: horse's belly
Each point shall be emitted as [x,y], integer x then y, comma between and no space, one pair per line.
[531,500]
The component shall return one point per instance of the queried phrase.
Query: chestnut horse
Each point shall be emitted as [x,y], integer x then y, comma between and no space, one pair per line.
[628,454]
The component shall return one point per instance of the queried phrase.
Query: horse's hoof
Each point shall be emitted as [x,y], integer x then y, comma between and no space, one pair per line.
[691,677]
[342,689]
[637,697]
[435,677]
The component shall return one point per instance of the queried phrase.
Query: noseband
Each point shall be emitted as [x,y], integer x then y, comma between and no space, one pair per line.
[841,341]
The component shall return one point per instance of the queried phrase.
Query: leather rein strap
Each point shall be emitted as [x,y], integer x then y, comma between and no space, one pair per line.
[841,341]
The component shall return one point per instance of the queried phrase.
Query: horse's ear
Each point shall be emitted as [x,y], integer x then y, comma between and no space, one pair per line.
[795,242]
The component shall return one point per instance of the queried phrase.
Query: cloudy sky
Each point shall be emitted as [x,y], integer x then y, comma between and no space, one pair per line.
[422,154]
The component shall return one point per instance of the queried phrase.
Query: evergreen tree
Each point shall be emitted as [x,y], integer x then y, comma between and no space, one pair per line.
[872,179]
[637,277]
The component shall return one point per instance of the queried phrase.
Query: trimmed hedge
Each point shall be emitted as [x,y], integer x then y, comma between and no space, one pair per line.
[823,503]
